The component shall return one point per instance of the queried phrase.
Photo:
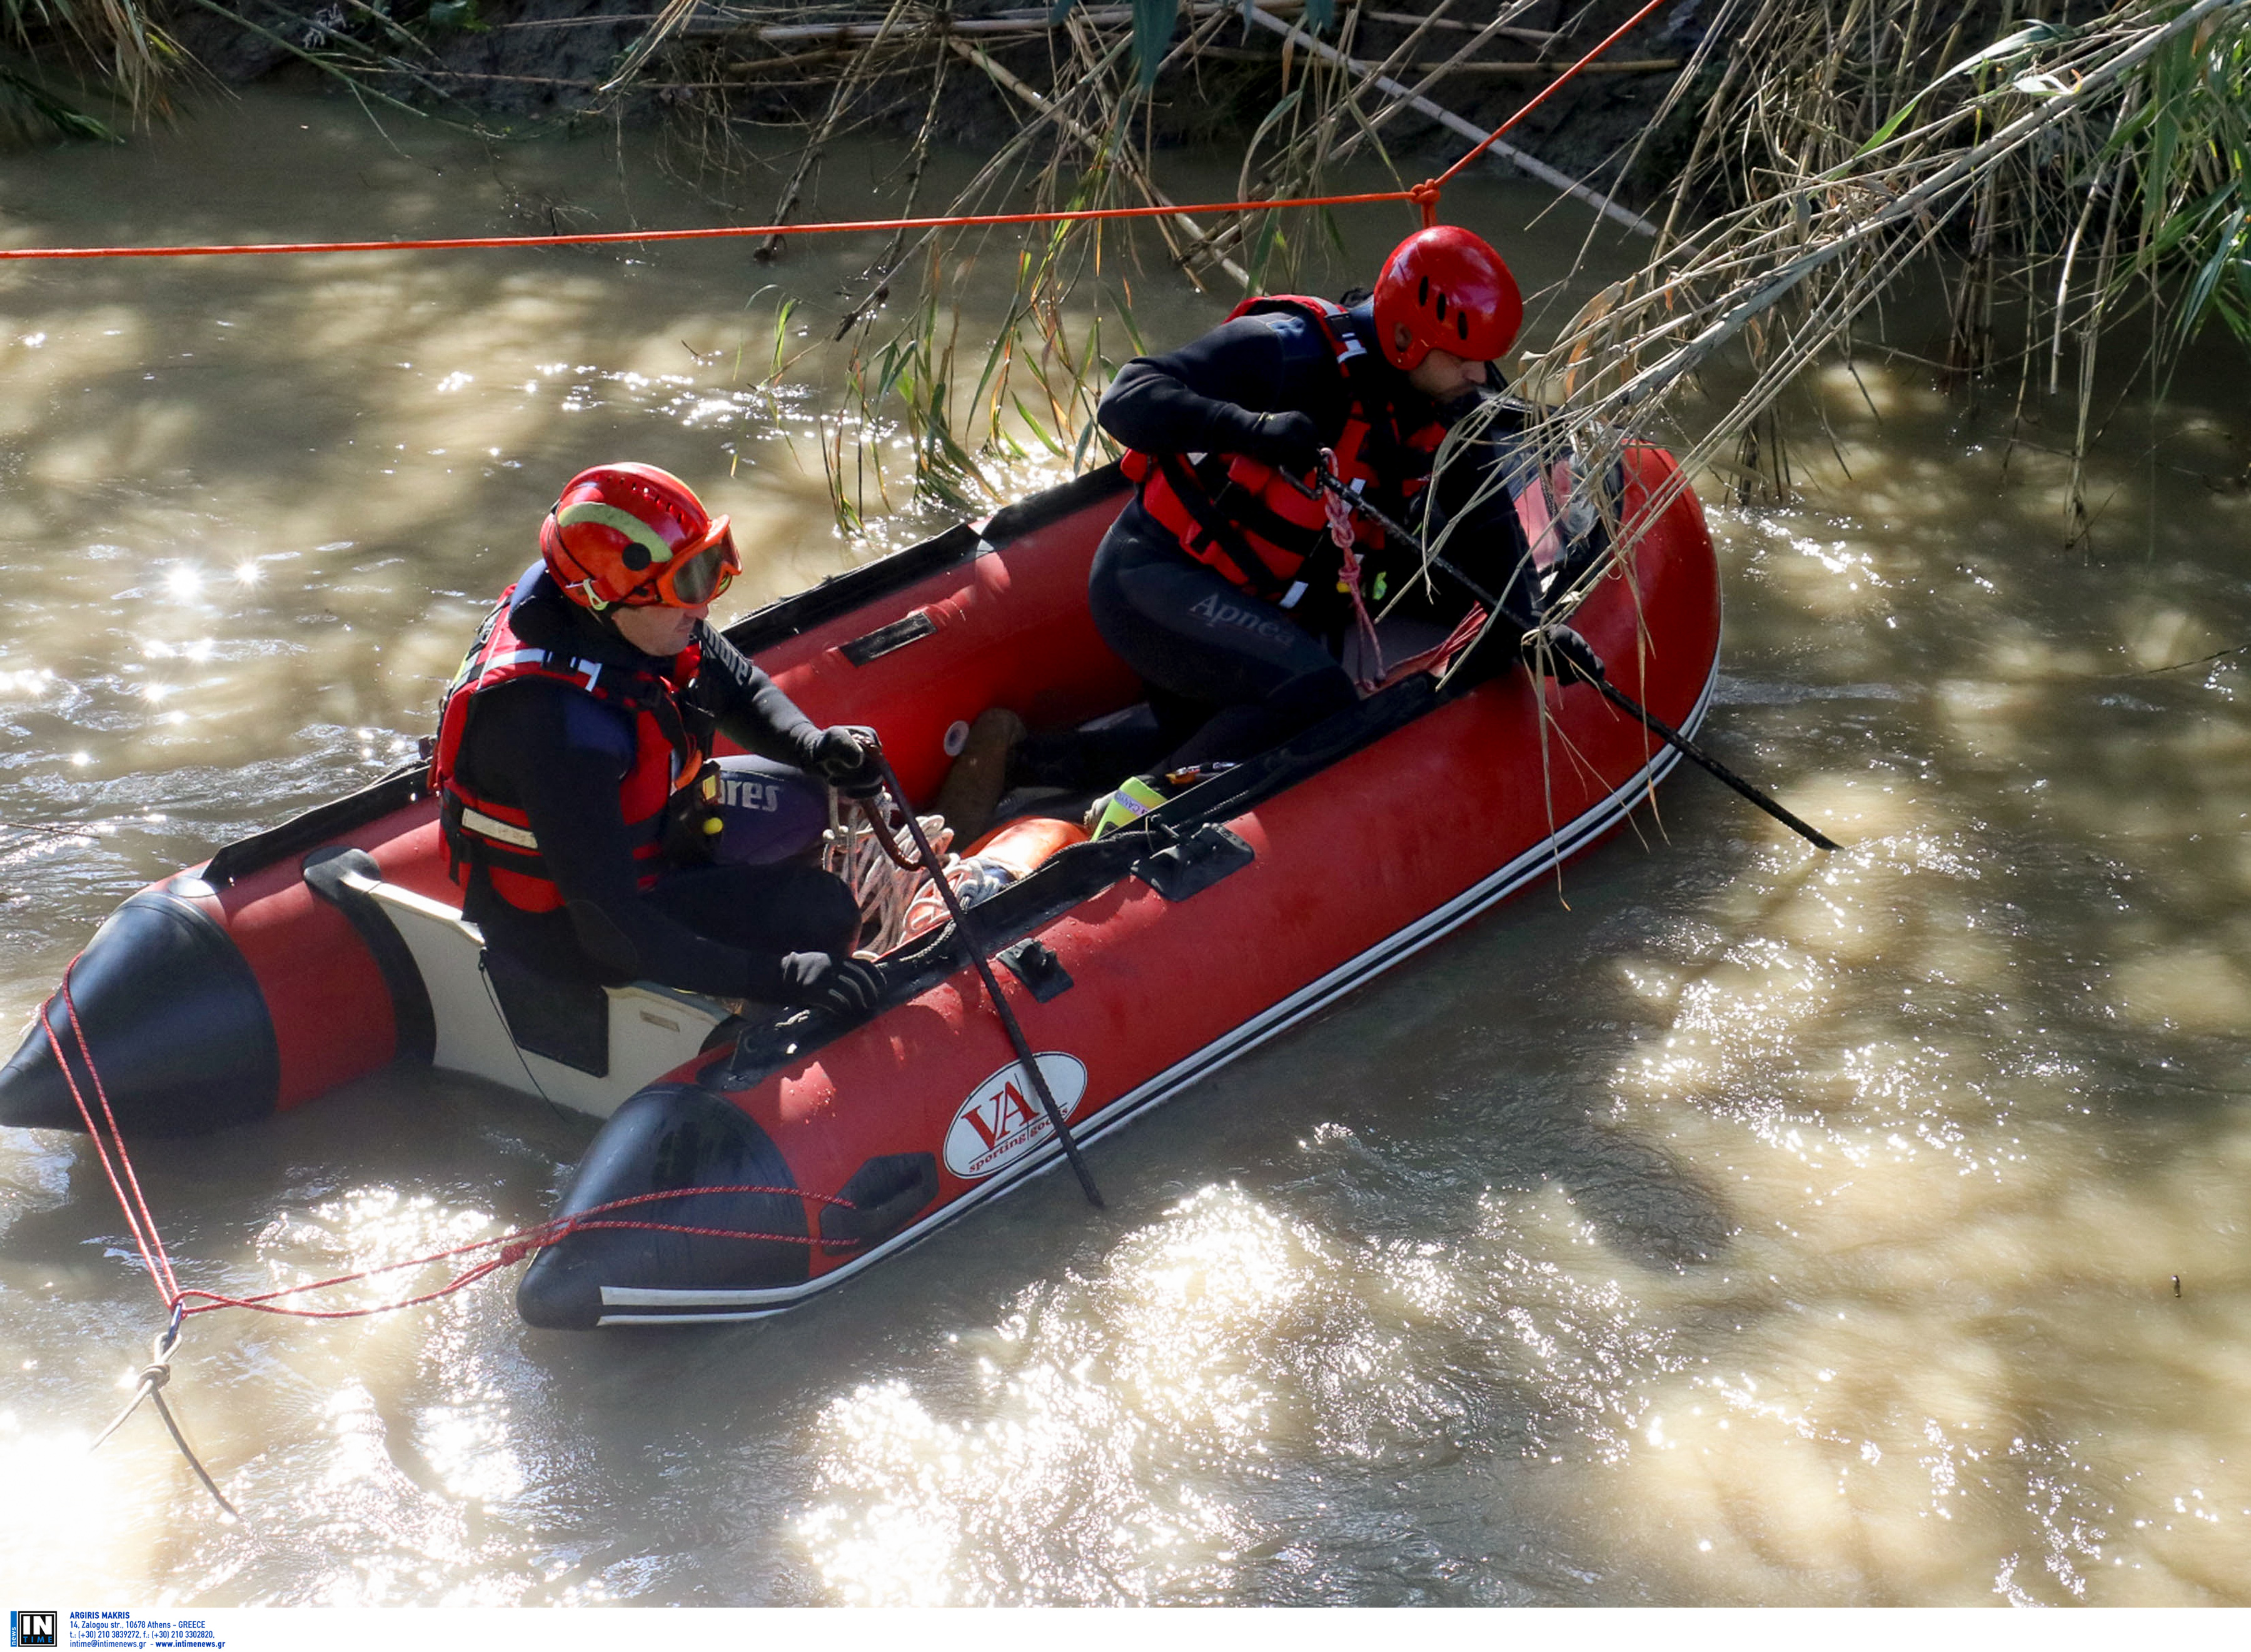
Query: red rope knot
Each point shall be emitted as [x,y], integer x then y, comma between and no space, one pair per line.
[1342,534]
[1425,195]
[515,1251]
[1336,504]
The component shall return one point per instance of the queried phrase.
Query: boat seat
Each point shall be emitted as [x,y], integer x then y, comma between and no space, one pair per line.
[584,1047]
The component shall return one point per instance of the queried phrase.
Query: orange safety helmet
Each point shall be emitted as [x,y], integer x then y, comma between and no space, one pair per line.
[633,535]
[1451,292]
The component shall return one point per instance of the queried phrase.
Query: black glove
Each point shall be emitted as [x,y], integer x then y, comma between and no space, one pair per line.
[1563,654]
[1289,442]
[843,987]
[839,757]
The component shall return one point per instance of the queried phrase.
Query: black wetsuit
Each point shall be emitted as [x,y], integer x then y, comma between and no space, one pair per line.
[1249,672]
[559,756]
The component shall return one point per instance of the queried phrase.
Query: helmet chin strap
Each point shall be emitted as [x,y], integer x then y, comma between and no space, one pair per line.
[603,615]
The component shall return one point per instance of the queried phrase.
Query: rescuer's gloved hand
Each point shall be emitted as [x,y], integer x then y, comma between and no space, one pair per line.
[1563,654]
[1289,442]
[843,987]
[840,758]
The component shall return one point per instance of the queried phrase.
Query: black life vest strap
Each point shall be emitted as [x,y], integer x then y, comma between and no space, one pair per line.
[1259,579]
[1247,510]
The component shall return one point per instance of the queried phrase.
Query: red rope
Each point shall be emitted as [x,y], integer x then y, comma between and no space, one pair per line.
[514,1248]
[214,1303]
[139,1221]
[723,233]
[1424,194]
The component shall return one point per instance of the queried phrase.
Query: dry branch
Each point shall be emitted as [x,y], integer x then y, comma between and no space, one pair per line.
[787,34]
[1920,205]
[1124,160]
[1453,123]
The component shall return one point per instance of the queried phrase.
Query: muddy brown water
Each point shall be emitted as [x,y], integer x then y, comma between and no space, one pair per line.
[1730,1224]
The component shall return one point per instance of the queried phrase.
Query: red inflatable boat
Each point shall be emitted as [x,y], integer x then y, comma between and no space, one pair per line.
[316,952]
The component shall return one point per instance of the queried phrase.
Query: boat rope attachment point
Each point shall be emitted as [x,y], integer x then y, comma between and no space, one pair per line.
[153,1376]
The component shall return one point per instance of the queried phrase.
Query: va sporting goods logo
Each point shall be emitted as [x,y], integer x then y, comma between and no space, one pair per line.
[1002,1120]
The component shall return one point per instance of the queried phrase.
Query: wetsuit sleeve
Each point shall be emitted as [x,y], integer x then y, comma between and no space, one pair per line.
[1482,533]
[751,709]
[1206,396]
[561,756]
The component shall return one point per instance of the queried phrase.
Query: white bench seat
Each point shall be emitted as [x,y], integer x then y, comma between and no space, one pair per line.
[652,1028]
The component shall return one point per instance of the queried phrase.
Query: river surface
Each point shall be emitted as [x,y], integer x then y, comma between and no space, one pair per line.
[1733,1224]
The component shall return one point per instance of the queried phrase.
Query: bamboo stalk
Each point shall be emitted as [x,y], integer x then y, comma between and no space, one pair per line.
[1001,22]
[1537,36]
[1440,68]
[746,68]
[1453,123]
[970,191]
[781,33]
[1629,65]
[1927,186]
[1763,293]
[1371,127]
[1327,154]
[668,23]
[840,95]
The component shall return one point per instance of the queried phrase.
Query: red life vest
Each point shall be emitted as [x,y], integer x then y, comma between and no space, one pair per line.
[1246,519]
[670,747]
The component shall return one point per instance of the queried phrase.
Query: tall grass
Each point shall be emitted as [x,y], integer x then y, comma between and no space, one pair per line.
[114,40]
[2068,175]
[59,54]
[2064,165]
[2062,174]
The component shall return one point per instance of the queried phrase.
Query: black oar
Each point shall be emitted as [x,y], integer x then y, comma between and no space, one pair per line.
[1672,737]
[1713,767]
[1024,1056]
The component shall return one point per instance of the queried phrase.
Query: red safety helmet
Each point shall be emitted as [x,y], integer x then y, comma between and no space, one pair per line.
[1451,292]
[632,536]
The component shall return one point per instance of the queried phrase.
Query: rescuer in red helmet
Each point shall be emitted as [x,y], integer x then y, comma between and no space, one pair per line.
[593,839]
[1219,582]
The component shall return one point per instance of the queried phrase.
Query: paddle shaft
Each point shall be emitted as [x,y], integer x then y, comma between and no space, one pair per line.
[1616,696]
[961,928]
